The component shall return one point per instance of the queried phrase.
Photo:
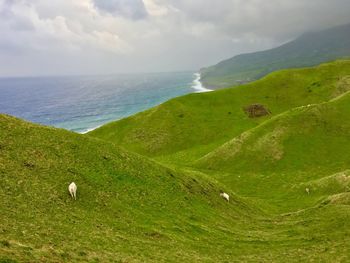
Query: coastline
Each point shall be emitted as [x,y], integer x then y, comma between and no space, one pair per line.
[90,129]
[197,84]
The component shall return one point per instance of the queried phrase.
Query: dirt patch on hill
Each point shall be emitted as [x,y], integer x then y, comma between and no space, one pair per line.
[256,110]
[271,144]
[342,86]
[339,199]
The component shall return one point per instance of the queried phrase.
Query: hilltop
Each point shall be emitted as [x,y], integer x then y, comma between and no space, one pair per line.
[308,50]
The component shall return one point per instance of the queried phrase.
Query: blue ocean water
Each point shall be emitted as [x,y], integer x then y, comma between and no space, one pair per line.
[82,103]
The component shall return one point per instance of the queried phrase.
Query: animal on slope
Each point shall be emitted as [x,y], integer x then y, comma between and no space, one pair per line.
[225,196]
[72,188]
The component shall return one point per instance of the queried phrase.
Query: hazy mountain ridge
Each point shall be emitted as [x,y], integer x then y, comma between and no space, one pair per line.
[308,50]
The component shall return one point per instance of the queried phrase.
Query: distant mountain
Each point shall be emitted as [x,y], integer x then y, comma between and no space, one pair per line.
[308,50]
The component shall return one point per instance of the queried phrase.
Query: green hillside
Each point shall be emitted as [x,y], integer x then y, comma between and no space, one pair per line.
[193,125]
[298,147]
[308,50]
[129,209]
[148,185]
[309,138]
[271,160]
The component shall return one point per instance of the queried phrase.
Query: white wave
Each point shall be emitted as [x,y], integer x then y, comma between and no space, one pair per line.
[89,129]
[197,85]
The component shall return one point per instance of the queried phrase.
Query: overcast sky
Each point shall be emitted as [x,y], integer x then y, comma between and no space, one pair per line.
[60,37]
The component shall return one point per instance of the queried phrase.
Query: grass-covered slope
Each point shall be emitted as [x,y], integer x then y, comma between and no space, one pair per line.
[301,148]
[308,138]
[129,209]
[133,209]
[193,125]
[308,50]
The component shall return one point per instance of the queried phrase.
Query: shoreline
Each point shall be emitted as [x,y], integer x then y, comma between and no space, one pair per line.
[90,129]
[197,84]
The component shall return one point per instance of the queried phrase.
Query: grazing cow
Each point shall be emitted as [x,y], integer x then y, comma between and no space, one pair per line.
[72,188]
[225,196]
[307,190]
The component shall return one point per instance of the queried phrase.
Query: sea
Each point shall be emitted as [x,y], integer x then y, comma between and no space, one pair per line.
[84,103]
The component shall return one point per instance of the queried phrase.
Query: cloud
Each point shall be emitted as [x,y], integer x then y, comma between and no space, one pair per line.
[25,26]
[155,9]
[133,9]
[275,19]
[106,36]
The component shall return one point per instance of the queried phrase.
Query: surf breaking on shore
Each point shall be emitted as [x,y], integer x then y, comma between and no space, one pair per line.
[197,85]
[90,129]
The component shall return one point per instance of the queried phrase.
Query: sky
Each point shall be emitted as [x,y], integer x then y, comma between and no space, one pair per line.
[75,37]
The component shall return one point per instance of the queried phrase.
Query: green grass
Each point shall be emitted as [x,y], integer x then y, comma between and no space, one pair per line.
[300,145]
[188,127]
[128,207]
[309,138]
[148,185]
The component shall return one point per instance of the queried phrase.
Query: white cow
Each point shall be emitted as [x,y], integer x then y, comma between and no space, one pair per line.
[225,196]
[72,188]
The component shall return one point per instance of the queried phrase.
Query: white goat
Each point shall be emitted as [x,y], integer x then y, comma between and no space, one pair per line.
[225,196]
[72,188]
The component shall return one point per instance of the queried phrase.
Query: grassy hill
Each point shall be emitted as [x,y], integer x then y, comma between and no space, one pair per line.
[270,160]
[308,138]
[308,50]
[148,185]
[193,125]
[129,209]
[298,147]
